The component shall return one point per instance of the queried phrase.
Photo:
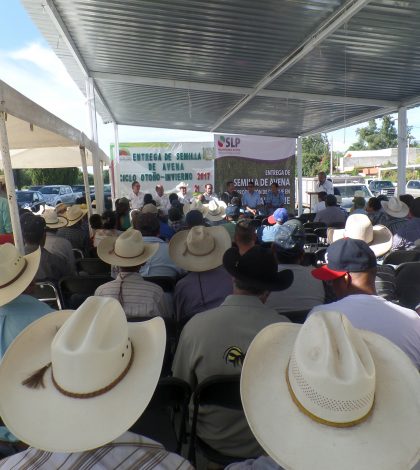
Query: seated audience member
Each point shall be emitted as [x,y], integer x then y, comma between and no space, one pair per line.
[73,231]
[379,239]
[373,383]
[17,307]
[51,267]
[175,219]
[58,245]
[109,222]
[160,264]
[396,214]
[406,235]
[200,251]
[122,210]
[174,201]
[231,193]
[83,363]
[215,342]
[194,218]
[274,199]
[351,270]
[358,207]
[165,232]
[95,223]
[245,236]
[148,199]
[375,211]
[407,199]
[251,200]
[332,215]
[216,212]
[138,297]
[232,216]
[267,233]
[305,291]
[320,205]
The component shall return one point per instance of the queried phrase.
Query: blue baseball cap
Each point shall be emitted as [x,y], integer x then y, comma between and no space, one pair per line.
[279,215]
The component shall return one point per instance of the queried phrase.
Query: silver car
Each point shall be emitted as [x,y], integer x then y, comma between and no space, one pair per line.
[53,195]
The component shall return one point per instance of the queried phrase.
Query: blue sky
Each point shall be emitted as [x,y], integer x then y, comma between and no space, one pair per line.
[29,65]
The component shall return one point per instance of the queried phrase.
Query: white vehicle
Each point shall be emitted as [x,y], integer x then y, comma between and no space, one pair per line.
[413,188]
[347,191]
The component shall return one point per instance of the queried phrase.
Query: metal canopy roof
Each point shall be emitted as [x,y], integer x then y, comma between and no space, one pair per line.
[274,67]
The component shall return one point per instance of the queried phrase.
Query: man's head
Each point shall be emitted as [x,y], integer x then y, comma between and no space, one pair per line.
[245,236]
[95,221]
[135,186]
[251,187]
[322,177]
[415,208]
[230,186]
[321,196]
[208,188]
[175,214]
[33,229]
[330,200]
[359,202]
[194,218]
[274,188]
[373,205]
[350,268]
[147,224]
[182,188]
[159,190]
[279,216]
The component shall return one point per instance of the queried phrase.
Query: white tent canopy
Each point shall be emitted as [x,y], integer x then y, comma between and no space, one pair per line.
[41,140]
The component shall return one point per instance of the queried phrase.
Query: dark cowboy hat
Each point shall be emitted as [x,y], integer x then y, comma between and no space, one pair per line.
[258,267]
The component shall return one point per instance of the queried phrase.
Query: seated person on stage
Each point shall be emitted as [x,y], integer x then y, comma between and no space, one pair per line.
[215,342]
[274,199]
[183,194]
[139,298]
[75,382]
[324,184]
[332,215]
[162,200]
[209,194]
[230,193]
[251,200]
[200,251]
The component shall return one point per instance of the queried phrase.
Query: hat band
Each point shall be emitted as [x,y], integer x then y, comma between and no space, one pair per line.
[345,424]
[187,251]
[36,380]
[25,264]
[113,252]
[58,222]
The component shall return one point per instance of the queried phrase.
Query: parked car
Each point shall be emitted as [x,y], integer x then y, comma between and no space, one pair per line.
[53,195]
[382,187]
[347,191]
[32,200]
[107,196]
[34,188]
[78,190]
[413,188]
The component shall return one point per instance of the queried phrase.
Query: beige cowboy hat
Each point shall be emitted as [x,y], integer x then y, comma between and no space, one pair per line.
[359,227]
[149,209]
[199,249]
[129,249]
[74,381]
[216,210]
[52,220]
[324,395]
[75,213]
[195,205]
[395,208]
[61,208]
[16,271]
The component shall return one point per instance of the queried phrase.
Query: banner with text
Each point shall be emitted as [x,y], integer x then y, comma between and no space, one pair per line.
[264,160]
[166,163]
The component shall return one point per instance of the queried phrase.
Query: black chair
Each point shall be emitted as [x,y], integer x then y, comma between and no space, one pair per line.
[222,391]
[310,227]
[297,316]
[407,284]
[167,283]
[401,256]
[93,266]
[172,395]
[47,292]
[321,233]
[319,256]
[309,217]
[78,254]
[74,290]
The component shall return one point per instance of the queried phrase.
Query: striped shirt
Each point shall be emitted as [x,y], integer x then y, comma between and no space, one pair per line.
[128,452]
[138,297]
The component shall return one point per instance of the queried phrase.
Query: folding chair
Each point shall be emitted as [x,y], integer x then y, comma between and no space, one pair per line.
[310,227]
[222,391]
[93,266]
[311,242]
[48,293]
[75,290]
[319,257]
[401,256]
[172,395]
[78,254]
[407,284]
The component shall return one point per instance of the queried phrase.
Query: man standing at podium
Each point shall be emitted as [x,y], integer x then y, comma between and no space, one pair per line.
[324,184]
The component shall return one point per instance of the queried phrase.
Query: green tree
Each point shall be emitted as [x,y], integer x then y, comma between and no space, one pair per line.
[54,175]
[315,154]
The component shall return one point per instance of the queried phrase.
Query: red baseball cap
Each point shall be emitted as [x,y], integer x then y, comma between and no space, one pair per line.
[324,273]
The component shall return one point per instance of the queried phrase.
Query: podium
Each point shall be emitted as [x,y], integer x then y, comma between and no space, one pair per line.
[313,199]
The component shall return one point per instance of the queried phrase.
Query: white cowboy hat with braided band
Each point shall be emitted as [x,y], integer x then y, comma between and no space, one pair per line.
[74,381]
[326,396]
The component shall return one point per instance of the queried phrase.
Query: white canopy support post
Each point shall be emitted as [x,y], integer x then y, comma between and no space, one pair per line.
[299,175]
[86,179]
[10,185]
[116,165]
[402,150]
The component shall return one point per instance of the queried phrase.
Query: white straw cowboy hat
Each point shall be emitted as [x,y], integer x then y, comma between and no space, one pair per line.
[74,381]
[74,213]
[129,249]
[199,249]
[181,185]
[61,208]
[16,271]
[52,220]
[195,206]
[326,396]
[216,210]
[395,208]
[359,227]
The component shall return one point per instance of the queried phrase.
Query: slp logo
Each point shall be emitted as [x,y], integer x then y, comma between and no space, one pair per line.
[228,142]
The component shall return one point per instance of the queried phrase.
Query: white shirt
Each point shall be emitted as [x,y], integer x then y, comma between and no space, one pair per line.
[184,198]
[136,200]
[319,206]
[163,203]
[326,186]
[371,312]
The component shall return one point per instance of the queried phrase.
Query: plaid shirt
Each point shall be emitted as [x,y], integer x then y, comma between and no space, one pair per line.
[128,452]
